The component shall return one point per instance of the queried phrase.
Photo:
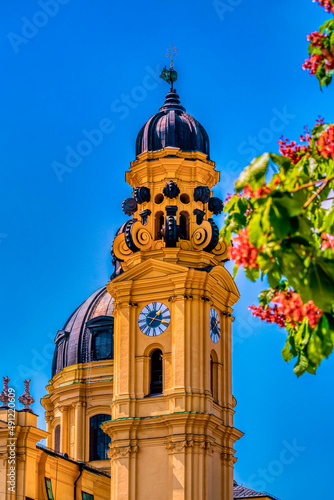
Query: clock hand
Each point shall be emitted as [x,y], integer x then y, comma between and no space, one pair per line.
[159,312]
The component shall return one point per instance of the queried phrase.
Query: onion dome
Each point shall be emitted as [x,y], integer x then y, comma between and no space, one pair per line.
[88,334]
[172,127]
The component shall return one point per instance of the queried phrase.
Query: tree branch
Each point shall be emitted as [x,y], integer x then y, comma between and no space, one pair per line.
[318,191]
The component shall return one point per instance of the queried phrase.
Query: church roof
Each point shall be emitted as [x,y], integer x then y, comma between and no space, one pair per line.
[73,341]
[172,127]
[242,492]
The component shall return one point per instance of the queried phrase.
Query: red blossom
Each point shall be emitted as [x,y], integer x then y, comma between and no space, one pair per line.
[327,4]
[328,241]
[277,180]
[258,193]
[269,314]
[326,57]
[288,308]
[326,143]
[242,251]
[291,150]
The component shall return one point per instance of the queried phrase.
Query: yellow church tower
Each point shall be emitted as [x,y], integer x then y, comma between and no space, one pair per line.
[171,426]
[140,404]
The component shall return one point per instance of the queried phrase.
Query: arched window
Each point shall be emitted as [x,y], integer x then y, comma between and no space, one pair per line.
[98,440]
[184,226]
[57,439]
[214,376]
[156,372]
[159,222]
[102,330]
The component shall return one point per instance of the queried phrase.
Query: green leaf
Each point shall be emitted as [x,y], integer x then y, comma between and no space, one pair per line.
[320,284]
[254,174]
[235,270]
[255,231]
[282,161]
[301,365]
[265,263]
[328,222]
[252,273]
[274,277]
[280,220]
[292,205]
[314,349]
[266,296]
[286,351]
[230,204]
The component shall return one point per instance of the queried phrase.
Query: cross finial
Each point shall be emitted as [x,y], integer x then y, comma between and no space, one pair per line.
[172,52]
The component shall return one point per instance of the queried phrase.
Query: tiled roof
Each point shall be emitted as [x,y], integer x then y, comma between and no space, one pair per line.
[242,492]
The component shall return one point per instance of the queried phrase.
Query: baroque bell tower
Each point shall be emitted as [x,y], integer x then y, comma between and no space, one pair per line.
[171,426]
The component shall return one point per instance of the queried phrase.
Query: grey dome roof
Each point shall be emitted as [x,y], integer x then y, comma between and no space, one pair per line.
[73,342]
[172,127]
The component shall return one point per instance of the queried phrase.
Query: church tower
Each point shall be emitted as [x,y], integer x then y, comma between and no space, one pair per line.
[171,426]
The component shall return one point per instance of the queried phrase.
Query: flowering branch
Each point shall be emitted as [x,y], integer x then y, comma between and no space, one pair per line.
[321,49]
[278,231]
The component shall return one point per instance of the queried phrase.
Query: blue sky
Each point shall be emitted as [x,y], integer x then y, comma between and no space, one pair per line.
[94,64]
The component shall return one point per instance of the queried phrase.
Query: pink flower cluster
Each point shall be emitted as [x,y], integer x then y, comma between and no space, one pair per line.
[269,314]
[258,193]
[291,149]
[242,251]
[327,4]
[288,307]
[326,143]
[319,40]
[327,241]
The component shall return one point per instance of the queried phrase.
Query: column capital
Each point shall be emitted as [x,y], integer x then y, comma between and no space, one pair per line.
[179,446]
[228,457]
[79,404]
[118,452]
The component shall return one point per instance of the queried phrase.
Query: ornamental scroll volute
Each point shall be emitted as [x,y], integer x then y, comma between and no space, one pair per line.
[206,238]
[135,237]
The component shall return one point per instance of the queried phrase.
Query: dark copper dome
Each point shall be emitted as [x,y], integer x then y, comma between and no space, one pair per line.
[87,335]
[172,127]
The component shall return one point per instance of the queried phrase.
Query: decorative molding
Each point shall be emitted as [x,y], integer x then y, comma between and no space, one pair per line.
[228,456]
[21,457]
[179,446]
[119,452]
[79,404]
[208,446]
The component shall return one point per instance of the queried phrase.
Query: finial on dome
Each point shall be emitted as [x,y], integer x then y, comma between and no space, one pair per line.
[170,75]
[4,394]
[26,399]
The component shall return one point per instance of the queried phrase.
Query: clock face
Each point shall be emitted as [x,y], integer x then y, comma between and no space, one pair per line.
[214,326]
[154,319]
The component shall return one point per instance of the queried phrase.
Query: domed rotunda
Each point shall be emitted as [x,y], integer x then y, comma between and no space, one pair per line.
[87,335]
[172,127]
